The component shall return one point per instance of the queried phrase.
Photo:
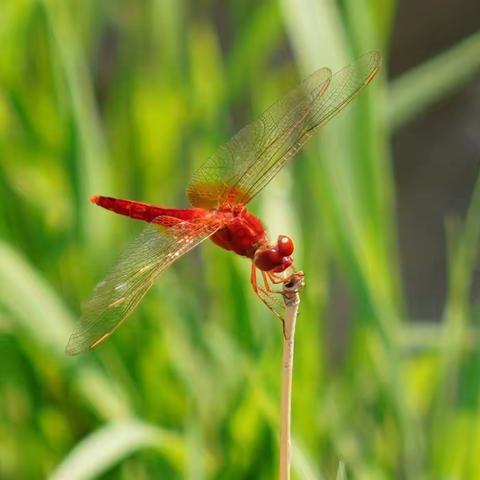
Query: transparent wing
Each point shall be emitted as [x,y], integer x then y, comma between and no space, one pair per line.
[249,160]
[114,298]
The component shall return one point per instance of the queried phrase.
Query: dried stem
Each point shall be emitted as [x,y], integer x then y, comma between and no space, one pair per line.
[292,301]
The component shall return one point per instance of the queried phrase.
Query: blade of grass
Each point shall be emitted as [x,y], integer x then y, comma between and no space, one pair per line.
[372,143]
[91,162]
[312,24]
[384,12]
[341,472]
[37,309]
[302,464]
[109,445]
[359,220]
[464,245]
[31,301]
[253,46]
[419,88]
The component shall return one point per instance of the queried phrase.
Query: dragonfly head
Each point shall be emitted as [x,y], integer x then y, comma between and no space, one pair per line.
[275,258]
[284,245]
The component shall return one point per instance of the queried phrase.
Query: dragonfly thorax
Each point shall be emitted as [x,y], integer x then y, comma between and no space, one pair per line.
[242,233]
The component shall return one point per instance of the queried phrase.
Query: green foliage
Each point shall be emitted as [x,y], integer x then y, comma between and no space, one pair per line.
[125,99]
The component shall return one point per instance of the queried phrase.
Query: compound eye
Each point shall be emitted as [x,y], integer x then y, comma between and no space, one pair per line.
[284,245]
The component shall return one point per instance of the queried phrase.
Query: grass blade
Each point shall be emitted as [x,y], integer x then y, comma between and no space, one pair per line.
[341,472]
[109,445]
[433,80]
[32,302]
[36,308]
[91,161]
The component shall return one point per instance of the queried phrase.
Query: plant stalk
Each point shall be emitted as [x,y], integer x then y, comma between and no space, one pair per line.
[292,301]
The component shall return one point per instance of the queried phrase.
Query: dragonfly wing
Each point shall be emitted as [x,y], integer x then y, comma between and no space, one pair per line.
[114,298]
[249,160]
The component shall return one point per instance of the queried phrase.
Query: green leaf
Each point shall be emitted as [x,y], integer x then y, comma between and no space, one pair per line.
[32,301]
[91,175]
[341,472]
[419,88]
[35,307]
[303,464]
[109,445]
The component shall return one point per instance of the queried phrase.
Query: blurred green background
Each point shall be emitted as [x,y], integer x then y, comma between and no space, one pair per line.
[125,98]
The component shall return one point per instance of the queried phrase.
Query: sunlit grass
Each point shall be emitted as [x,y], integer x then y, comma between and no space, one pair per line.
[126,99]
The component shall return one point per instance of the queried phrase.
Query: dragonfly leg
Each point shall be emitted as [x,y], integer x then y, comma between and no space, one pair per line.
[277,279]
[253,278]
[267,290]
[265,295]
[266,282]
[254,281]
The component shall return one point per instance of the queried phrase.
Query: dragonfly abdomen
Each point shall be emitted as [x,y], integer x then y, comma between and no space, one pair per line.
[145,211]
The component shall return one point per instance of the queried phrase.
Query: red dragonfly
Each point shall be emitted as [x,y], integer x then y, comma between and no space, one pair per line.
[219,193]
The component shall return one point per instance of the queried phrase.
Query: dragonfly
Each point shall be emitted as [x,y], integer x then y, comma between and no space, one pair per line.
[219,193]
